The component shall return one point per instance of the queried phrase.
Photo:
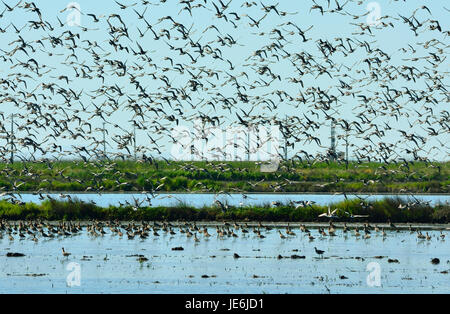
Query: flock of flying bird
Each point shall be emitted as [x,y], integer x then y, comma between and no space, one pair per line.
[149,69]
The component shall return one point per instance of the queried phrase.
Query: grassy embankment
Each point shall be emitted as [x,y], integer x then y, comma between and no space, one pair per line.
[378,211]
[121,176]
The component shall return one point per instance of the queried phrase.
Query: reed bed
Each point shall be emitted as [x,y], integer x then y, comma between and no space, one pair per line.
[378,211]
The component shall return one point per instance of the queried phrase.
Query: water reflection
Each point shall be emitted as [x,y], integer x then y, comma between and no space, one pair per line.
[112,264]
[199,200]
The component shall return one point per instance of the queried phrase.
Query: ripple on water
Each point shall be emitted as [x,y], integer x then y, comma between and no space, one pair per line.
[109,264]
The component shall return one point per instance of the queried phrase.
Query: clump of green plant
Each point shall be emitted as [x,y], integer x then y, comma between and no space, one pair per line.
[377,211]
[128,175]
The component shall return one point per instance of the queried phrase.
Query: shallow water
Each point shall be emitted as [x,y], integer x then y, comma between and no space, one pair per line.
[199,200]
[257,271]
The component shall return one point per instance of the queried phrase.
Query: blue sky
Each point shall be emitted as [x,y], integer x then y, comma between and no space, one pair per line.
[248,39]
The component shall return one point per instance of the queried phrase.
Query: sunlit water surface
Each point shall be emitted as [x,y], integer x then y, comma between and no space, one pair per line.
[106,264]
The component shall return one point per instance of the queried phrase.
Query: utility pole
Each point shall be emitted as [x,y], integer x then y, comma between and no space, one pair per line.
[333,141]
[285,150]
[285,140]
[134,133]
[12,138]
[104,141]
[346,149]
[248,144]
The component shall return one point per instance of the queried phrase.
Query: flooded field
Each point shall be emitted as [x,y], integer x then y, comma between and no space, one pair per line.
[398,262]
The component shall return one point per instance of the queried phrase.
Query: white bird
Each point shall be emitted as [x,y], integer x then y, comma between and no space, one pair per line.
[330,214]
[356,216]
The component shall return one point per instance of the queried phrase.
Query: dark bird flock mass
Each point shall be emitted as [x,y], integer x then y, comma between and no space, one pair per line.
[149,68]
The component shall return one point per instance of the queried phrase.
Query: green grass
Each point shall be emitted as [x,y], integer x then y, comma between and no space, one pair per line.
[416,177]
[378,211]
